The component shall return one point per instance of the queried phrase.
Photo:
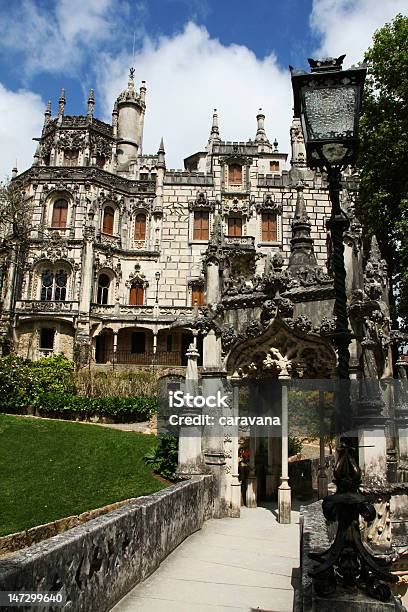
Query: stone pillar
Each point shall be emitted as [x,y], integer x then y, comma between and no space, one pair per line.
[252,488]
[322,479]
[211,351]
[235,484]
[115,347]
[189,455]
[284,492]
[155,347]
[213,283]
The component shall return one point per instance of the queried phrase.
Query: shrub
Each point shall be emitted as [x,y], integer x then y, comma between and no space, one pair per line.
[295,446]
[164,457]
[17,386]
[53,374]
[119,409]
[138,383]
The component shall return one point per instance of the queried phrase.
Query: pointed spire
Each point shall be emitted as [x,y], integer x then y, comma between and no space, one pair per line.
[37,155]
[61,103]
[260,132]
[161,163]
[47,113]
[375,253]
[91,104]
[302,245]
[215,132]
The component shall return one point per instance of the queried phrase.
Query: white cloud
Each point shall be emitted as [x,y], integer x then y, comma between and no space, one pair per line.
[61,38]
[22,114]
[347,26]
[187,76]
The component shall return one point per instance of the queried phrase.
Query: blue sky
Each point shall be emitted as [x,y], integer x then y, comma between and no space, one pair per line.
[194,55]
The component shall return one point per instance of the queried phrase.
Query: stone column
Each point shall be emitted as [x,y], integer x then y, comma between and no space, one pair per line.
[322,479]
[284,492]
[154,358]
[235,484]
[213,283]
[211,351]
[115,347]
[189,455]
[252,488]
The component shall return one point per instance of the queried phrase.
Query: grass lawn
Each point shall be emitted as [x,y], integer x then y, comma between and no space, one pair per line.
[52,469]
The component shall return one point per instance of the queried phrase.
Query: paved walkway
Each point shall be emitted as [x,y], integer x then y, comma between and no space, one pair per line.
[243,564]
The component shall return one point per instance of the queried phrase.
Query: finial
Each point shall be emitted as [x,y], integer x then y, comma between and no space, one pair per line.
[275,145]
[215,132]
[143,91]
[260,131]
[61,103]
[14,171]
[132,73]
[161,153]
[91,104]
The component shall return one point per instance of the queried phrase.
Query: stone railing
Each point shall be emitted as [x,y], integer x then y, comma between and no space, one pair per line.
[97,563]
[241,242]
[112,311]
[37,306]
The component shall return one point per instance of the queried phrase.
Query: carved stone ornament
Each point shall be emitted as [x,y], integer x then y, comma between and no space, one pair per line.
[269,204]
[201,202]
[100,145]
[71,139]
[137,278]
[238,204]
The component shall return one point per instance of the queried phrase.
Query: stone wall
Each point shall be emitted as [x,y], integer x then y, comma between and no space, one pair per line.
[99,562]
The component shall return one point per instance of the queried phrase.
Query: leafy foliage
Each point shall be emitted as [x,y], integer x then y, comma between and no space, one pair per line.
[295,446]
[140,383]
[120,409]
[164,457]
[383,163]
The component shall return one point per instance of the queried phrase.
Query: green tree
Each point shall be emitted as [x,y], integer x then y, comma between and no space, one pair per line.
[383,199]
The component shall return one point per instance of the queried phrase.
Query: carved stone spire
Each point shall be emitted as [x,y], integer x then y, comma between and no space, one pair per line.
[91,104]
[161,163]
[302,247]
[61,104]
[215,132]
[298,144]
[260,132]
[47,113]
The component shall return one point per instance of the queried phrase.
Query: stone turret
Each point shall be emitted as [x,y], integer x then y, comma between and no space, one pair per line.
[131,110]
[260,132]
[215,132]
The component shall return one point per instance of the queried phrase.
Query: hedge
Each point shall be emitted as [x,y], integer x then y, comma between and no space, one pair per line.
[119,409]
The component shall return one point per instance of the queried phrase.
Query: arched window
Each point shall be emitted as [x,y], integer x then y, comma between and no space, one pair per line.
[137,295]
[140,227]
[103,289]
[197,295]
[269,227]
[235,226]
[59,214]
[54,286]
[47,281]
[108,220]
[235,174]
[71,157]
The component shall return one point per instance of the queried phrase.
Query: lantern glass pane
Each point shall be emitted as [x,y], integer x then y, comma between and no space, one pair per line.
[330,112]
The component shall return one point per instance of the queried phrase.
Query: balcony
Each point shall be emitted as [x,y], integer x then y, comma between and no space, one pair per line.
[40,307]
[246,243]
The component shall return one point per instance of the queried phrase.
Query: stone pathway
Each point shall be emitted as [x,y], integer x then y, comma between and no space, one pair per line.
[244,564]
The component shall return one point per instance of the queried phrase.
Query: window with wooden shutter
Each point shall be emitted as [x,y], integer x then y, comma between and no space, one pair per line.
[197,295]
[274,166]
[59,214]
[201,225]
[137,295]
[140,227]
[108,220]
[269,227]
[235,226]
[235,174]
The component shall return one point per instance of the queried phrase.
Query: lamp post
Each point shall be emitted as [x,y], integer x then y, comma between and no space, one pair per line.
[157,277]
[328,102]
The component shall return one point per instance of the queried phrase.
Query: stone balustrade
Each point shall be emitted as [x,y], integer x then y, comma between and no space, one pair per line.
[39,306]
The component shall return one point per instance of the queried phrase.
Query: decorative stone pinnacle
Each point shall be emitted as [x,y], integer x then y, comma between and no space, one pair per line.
[61,103]
[260,132]
[326,64]
[215,132]
[91,103]
[161,153]
[275,145]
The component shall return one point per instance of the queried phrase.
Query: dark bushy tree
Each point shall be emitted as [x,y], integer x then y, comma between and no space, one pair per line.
[383,199]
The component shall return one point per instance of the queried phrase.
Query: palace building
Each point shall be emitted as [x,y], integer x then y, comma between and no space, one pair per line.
[130,263]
